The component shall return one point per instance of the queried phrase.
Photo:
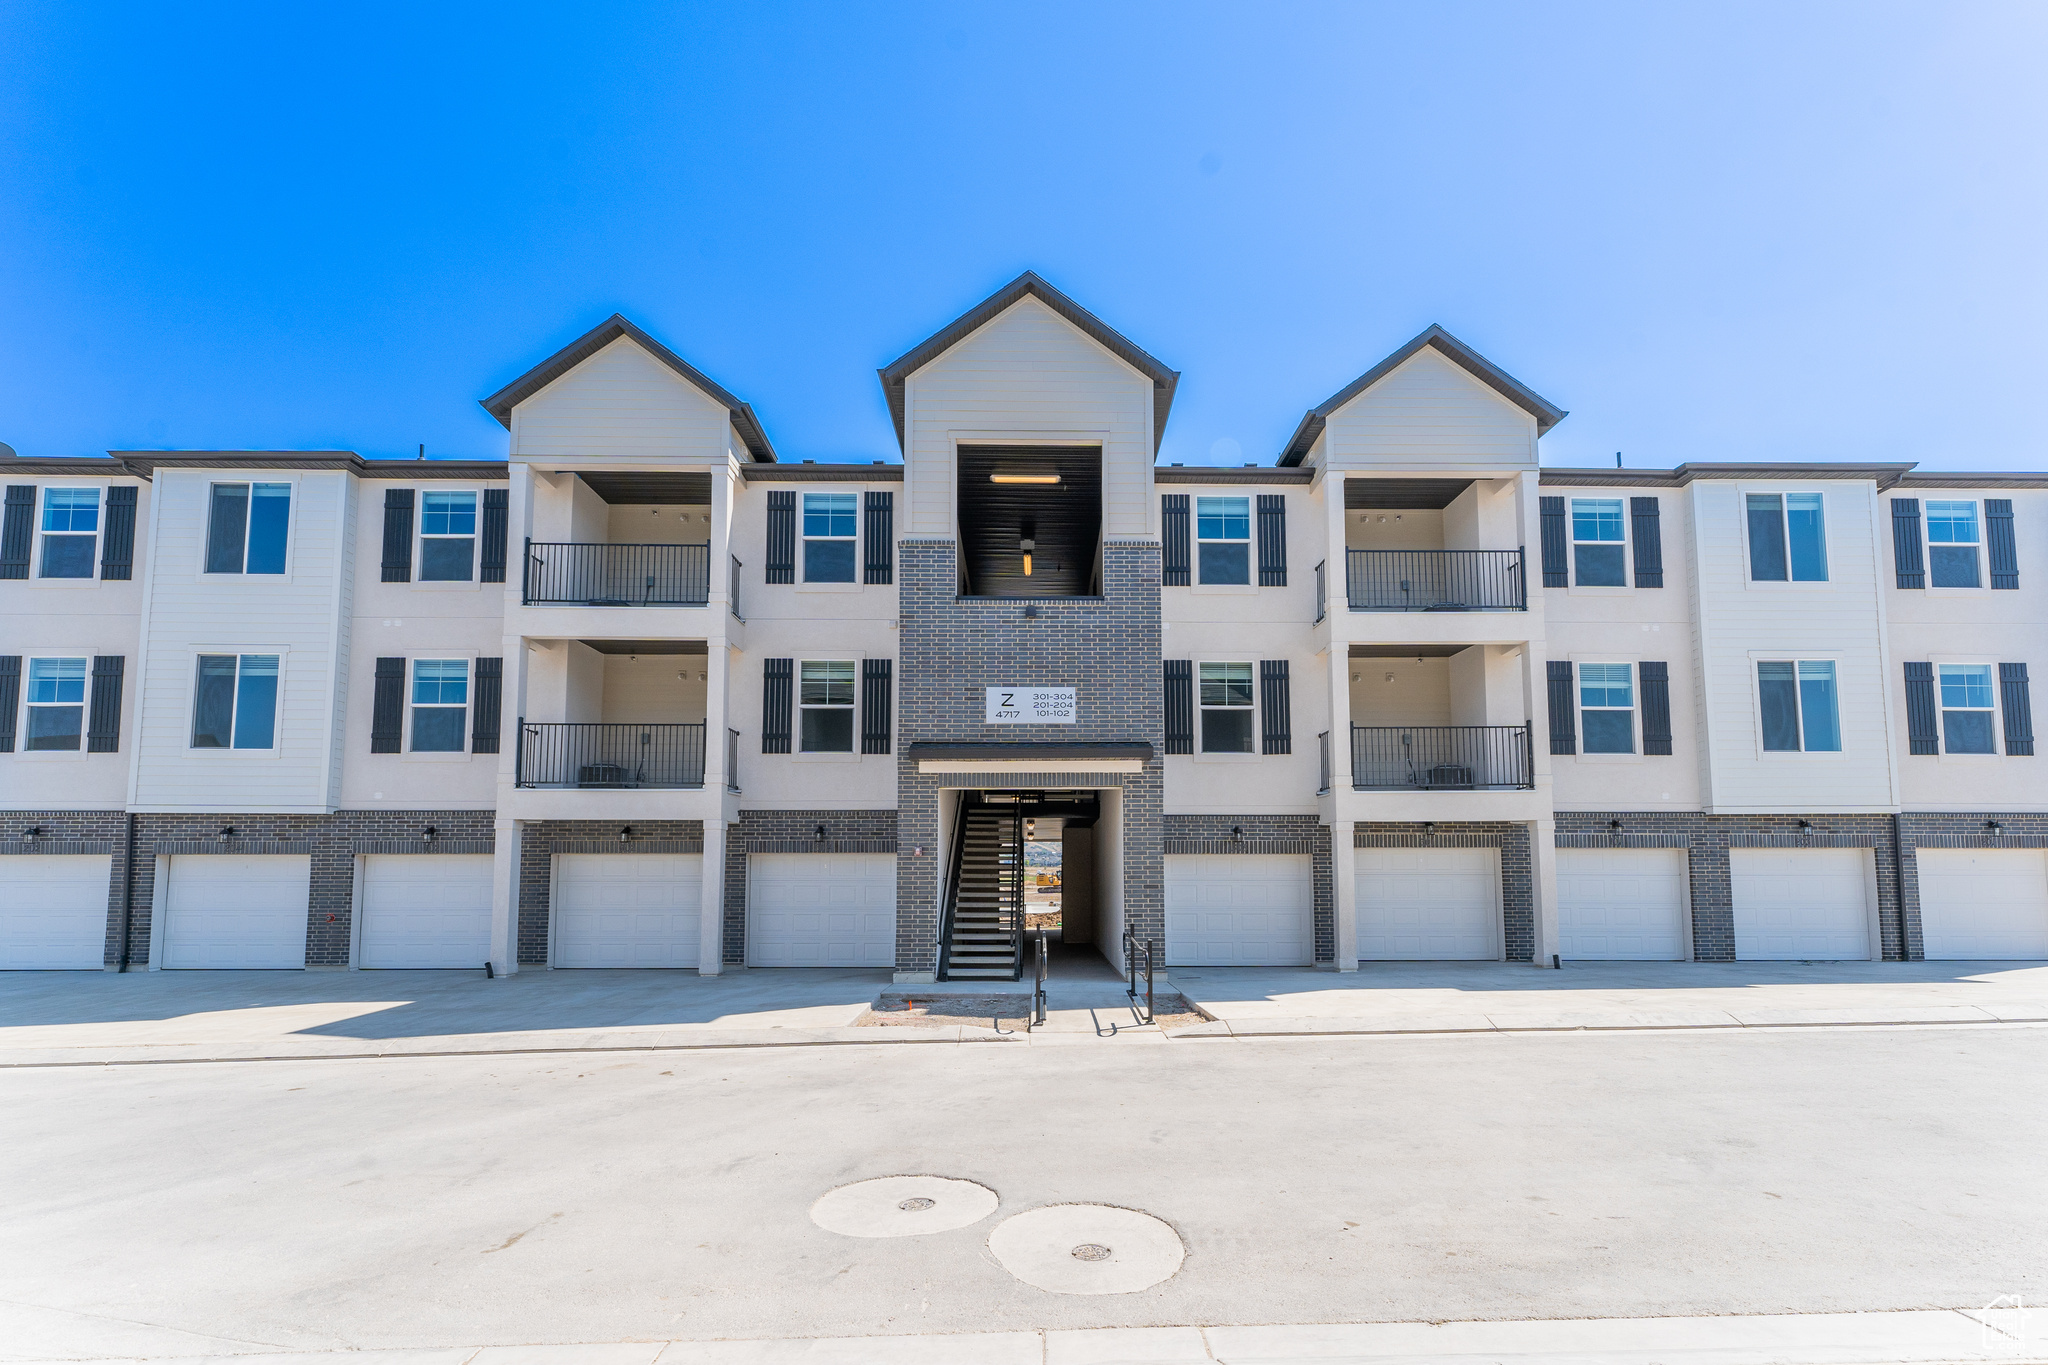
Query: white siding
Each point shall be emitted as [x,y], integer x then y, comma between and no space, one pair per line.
[621,403]
[1430,412]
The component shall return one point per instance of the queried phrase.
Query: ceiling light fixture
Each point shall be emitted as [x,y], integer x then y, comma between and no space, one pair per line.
[1023,476]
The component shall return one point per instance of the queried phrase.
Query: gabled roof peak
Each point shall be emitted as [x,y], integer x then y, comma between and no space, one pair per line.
[1546,413]
[501,403]
[917,357]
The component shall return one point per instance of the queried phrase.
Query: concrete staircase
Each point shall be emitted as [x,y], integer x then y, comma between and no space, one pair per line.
[985,928]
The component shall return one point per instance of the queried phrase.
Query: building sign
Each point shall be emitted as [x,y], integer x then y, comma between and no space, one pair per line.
[1030,706]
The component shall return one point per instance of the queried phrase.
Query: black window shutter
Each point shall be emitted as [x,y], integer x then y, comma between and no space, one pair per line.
[398,535]
[10,699]
[16,529]
[1173,529]
[387,707]
[1180,704]
[2005,558]
[103,728]
[491,556]
[486,713]
[781,557]
[775,703]
[117,551]
[1276,721]
[1555,555]
[875,704]
[1649,534]
[1907,562]
[2019,710]
[1656,680]
[878,533]
[1273,546]
[1564,726]
[1923,732]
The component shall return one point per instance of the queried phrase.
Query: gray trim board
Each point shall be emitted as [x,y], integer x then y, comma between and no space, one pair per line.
[1028,751]
[361,846]
[1262,474]
[233,846]
[807,472]
[1300,846]
[616,845]
[67,846]
[1884,475]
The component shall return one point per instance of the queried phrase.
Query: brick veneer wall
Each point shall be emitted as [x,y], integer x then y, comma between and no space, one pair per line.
[77,831]
[792,831]
[1517,890]
[1266,834]
[1948,829]
[952,648]
[540,840]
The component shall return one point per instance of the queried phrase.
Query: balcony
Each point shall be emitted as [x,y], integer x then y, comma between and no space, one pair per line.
[568,573]
[1441,758]
[1436,580]
[609,756]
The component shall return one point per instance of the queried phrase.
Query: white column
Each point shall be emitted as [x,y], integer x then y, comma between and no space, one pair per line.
[1543,886]
[505,898]
[711,933]
[1343,875]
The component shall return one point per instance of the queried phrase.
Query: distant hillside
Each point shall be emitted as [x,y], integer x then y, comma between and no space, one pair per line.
[1041,855]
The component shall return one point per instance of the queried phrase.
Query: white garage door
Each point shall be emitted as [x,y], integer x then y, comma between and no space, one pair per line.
[628,909]
[1240,910]
[426,910]
[1428,904]
[1800,904]
[53,911]
[1621,904]
[1984,902]
[821,910]
[237,910]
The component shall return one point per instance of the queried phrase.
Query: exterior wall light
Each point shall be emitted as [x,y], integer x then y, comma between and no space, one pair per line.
[431,832]
[227,832]
[820,832]
[1994,827]
[1237,833]
[625,833]
[1614,828]
[1429,828]
[32,833]
[1806,829]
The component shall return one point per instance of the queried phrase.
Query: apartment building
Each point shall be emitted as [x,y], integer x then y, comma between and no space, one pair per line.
[646,693]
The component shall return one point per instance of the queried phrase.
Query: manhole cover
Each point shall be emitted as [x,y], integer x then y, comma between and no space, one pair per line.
[1087,1249]
[903,1206]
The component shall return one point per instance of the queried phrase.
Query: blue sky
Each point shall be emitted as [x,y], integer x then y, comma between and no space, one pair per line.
[1713,232]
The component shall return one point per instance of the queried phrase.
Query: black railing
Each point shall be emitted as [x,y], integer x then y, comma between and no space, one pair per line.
[732,760]
[1440,757]
[732,589]
[617,575]
[1323,755]
[1134,948]
[1322,595]
[610,756]
[1436,580]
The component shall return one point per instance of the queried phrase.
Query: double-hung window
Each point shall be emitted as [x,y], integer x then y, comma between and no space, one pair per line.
[440,705]
[1966,724]
[235,703]
[56,705]
[1607,708]
[1223,535]
[1787,538]
[825,700]
[447,537]
[71,532]
[1226,708]
[1598,539]
[246,525]
[830,524]
[1797,698]
[1952,540]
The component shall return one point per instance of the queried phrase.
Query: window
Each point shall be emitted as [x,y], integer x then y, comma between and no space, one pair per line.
[1966,725]
[245,527]
[1227,707]
[71,527]
[1597,543]
[1223,531]
[447,537]
[56,704]
[1798,701]
[440,705]
[1786,533]
[235,706]
[825,698]
[830,520]
[1607,715]
[1952,541]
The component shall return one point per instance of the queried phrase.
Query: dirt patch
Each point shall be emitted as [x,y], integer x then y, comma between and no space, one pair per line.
[1041,919]
[987,1011]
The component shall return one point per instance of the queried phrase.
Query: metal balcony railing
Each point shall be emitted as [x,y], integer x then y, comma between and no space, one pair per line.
[732,760]
[610,756]
[564,572]
[1441,758]
[1436,580]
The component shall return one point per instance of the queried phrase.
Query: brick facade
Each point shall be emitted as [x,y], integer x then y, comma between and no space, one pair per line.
[1229,834]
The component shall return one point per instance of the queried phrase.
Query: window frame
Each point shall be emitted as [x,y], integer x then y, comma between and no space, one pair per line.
[25,703]
[1623,545]
[282,654]
[1784,497]
[1198,540]
[799,746]
[1992,708]
[1978,547]
[420,537]
[1796,659]
[851,540]
[1633,710]
[412,663]
[99,533]
[1249,709]
[291,527]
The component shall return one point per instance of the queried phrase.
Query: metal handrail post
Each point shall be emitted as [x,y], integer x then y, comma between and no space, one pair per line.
[1039,994]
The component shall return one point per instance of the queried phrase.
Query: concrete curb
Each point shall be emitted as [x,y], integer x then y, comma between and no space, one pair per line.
[1646,1022]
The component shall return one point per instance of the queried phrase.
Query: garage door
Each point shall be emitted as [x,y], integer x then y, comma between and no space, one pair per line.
[237,910]
[628,909]
[1240,910]
[1428,904]
[53,911]
[1621,904]
[821,910]
[1800,904]
[426,910]
[1984,902]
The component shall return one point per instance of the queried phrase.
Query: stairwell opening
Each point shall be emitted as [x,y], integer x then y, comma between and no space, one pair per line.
[1024,865]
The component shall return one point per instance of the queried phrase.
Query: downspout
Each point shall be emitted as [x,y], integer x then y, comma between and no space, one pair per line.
[128,893]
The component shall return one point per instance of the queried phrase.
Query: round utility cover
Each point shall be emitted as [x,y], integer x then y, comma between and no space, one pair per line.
[903,1206]
[1087,1249]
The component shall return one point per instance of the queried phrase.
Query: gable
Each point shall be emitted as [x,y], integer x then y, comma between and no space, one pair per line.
[1432,410]
[620,401]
